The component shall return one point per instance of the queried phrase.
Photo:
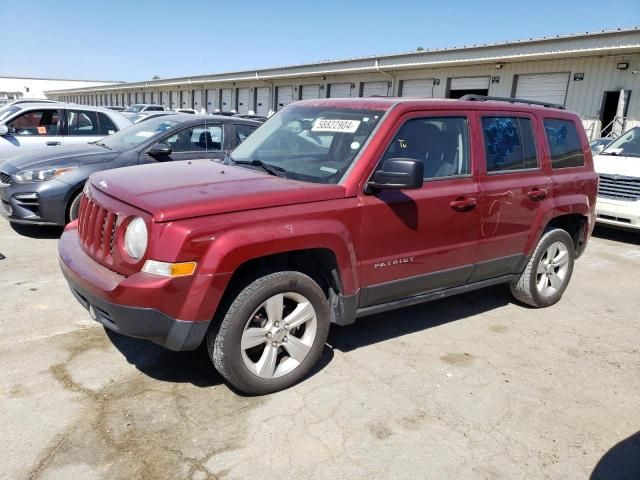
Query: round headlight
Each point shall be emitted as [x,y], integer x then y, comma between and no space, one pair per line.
[135,238]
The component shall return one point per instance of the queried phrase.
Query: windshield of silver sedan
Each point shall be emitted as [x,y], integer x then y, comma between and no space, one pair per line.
[314,144]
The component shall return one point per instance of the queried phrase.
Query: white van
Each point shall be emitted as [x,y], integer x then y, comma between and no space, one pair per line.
[618,167]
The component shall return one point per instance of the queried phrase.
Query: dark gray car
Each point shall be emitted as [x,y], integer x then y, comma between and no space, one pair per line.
[43,186]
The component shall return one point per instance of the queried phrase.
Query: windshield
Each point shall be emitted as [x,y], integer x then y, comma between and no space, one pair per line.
[6,112]
[314,144]
[627,145]
[134,108]
[133,136]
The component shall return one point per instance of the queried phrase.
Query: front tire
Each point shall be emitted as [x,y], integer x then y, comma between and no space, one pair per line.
[74,207]
[272,334]
[548,272]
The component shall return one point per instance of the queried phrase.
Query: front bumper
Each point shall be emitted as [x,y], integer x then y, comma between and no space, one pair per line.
[95,287]
[618,213]
[37,203]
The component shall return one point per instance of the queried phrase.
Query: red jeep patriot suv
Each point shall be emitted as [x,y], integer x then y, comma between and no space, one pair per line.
[332,210]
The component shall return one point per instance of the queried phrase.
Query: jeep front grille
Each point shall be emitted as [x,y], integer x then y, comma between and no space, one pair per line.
[619,187]
[97,229]
[5,178]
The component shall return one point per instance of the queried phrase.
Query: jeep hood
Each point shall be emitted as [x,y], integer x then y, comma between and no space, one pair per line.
[186,189]
[62,156]
[617,165]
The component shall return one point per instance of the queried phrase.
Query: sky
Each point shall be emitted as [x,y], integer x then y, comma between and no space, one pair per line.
[136,39]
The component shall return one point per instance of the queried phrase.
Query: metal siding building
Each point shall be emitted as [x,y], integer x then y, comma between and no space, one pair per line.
[593,74]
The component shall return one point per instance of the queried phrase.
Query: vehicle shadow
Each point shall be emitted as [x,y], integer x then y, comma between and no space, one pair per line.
[192,367]
[617,235]
[396,323]
[37,231]
[621,462]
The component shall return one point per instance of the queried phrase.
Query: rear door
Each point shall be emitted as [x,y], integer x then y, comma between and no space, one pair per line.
[32,129]
[515,183]
[82,126]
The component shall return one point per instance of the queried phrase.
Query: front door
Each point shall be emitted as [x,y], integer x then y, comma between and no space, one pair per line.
[195,142]
[514,183]
[30,130]
[416,241]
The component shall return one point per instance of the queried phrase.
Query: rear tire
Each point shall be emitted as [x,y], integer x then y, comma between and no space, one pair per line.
[548,272]
[272,334]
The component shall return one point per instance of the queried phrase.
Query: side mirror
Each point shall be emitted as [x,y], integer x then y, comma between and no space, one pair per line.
[4,130]
[160,149]
[397,174]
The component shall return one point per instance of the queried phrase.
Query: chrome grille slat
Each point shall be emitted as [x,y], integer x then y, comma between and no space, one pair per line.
[619,187]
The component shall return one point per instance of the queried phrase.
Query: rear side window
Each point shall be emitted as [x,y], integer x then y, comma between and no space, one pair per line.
[509,144]
[107,127]
[564,143]
[82,123]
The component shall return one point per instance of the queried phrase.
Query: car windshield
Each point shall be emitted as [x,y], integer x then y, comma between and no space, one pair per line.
[133,136]
[627,145]
[134,108]
[314,144]
[6,112]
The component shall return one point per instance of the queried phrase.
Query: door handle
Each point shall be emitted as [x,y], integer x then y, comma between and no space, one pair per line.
[53,144]
[537,194]
[462,204]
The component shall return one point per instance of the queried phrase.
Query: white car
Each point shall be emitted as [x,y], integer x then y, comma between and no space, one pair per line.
[618,167]
[27,126]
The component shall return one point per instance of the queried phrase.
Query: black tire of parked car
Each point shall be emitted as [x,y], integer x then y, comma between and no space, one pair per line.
[74,207]
[224,344]
[525,288]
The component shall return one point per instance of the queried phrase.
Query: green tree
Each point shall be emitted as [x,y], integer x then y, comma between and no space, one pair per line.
[156,77]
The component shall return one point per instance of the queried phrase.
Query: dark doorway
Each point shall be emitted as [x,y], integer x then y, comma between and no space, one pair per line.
[608,113]
[462,93]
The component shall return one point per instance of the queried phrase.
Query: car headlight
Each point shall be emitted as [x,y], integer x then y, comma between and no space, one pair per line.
[135,238]
[39,175]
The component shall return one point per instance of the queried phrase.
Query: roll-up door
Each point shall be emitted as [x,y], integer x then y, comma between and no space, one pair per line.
[262,101]
[165,99]
[212,100]
[243,100]
[543,87]
[197,100]
[370,89]
[310,92]
[339,90]
[175,100]
[186,99]
[227,95]
[284,97]
[470,83]
[418,88]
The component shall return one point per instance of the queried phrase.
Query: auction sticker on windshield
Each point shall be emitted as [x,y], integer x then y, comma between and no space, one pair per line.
[329,125]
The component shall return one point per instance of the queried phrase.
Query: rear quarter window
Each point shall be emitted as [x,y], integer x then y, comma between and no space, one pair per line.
[509,144]
[564,143]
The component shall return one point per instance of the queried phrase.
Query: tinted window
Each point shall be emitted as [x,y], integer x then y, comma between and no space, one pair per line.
[243,131]
[155,109]
[107,127]
[82,123]
[441,143]
[196,139]
[564,143]
[509,144]
[36,122]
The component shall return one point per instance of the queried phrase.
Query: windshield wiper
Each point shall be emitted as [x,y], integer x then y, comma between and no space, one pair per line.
[267,167]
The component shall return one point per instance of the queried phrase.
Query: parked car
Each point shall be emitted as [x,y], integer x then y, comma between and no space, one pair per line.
[31,126]
[30,100]
[143,107]
[333,210]
[598,144]
[141,117]
[43,187]
[116,108]
[618,167]
[190,111]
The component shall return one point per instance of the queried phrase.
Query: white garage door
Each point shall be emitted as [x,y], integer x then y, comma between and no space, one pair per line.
[165,99]
[212,100]
[226,106]
[419,88]
[369,89]
[186,99]
[470,83]
[243,100]
[262,101]
[175,100]
[310,92]
[197,100]
[339,90]
[543,87]
[285,97]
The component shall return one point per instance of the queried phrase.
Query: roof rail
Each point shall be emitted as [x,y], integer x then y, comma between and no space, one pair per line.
[484,98]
